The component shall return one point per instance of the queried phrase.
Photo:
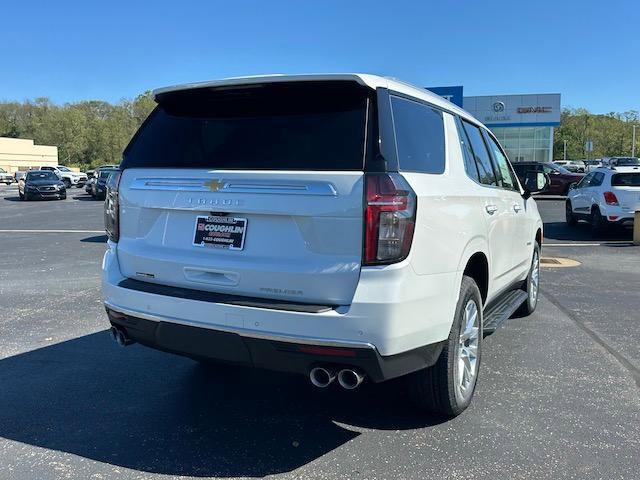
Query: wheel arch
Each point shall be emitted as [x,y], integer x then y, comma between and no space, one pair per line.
[475,256]
[477,267]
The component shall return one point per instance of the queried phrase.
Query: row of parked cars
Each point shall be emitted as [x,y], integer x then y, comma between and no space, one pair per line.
[606,196]
[53,182]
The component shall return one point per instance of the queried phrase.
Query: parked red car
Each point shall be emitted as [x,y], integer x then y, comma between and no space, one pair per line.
[560,177]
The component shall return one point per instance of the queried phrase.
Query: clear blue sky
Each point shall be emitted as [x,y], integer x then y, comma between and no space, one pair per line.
[72,50]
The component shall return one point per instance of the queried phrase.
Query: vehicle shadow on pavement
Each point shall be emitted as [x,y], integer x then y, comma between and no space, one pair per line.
[86,198]
[159,413]
[582,232]
[95,239]
[13,199]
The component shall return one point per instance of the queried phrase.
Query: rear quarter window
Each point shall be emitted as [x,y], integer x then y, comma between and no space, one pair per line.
[419,133]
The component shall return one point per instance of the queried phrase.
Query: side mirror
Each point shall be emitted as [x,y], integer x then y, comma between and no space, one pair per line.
[535,182]
[573,185]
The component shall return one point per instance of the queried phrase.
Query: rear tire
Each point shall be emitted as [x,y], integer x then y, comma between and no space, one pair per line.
[447,387]
[67,183]
[532,285]
[568,212]
[597,222]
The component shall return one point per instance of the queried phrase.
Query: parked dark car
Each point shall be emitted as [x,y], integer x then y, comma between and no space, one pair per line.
[99,185]
[560,177]
[41,184]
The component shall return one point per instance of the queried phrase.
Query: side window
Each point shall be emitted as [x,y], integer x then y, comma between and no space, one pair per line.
[419,136]
[598,177]
[467,154]
[503,170]
[480,154]
[584,183]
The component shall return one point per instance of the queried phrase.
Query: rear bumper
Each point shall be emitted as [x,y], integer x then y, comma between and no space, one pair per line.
[271,354]
[395,315]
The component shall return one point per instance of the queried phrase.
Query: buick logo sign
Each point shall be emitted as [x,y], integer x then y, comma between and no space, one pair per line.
[498,107]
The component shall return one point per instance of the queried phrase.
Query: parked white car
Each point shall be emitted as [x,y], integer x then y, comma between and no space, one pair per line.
[574,166]
[605,197]
[344,227]
[5,177]
[68,176]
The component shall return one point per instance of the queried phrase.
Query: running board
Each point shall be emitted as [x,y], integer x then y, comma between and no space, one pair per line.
[497,313]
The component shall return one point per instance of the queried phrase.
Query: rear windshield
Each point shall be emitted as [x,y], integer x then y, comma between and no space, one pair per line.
[286,126]
[626,180]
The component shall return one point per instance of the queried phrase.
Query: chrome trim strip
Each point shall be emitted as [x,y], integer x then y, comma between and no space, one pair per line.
[231,186]
[243,332]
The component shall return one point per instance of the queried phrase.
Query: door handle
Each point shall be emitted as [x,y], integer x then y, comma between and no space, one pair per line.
[491,209]
[517,207]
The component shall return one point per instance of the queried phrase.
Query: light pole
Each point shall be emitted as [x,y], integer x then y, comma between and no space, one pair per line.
[633,142]
[564,154]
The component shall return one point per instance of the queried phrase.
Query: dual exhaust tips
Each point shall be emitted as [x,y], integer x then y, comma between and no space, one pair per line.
[348,378]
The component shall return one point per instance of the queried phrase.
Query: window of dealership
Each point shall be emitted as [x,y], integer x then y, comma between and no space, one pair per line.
[526,144]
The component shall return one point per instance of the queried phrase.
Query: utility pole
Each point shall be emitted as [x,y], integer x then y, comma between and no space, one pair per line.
[564,154]
[633,142]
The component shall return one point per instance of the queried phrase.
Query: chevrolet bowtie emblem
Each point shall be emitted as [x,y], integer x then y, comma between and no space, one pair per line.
[214,185]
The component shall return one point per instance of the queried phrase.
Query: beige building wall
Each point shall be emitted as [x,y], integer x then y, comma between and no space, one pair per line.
[21,154]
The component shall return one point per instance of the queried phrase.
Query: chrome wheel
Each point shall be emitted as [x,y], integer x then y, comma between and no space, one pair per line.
[467,361]
[535,278]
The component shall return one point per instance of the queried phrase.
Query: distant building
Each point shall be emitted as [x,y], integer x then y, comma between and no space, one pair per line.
[17,154]
[522,123]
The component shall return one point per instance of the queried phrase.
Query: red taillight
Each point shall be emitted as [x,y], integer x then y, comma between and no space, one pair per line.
[610,198]
[389,218]
[112,208]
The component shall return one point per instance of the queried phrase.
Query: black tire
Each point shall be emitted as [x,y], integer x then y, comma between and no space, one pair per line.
[63,197]
[531,285]
[568,213]
[436,388]
[597,222]
[67,183]
[25,196]
[21,196]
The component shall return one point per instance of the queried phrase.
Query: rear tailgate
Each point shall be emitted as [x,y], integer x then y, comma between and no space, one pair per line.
[254,191]
[302,235]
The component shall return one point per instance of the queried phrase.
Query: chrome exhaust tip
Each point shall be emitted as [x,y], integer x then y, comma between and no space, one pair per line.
[350,379]
[321,377]
[120,337]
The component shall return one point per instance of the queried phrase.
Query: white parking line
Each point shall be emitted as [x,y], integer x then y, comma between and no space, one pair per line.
[52,231]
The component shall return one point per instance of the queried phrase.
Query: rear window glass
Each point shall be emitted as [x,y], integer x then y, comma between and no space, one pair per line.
[626,180]
[419,136]
[277,126]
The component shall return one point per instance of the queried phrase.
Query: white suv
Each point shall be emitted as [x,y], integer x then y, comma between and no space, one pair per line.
[605,197]
[68,176]
[343,227]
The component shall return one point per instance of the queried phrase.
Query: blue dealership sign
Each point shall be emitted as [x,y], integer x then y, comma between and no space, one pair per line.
[453,94]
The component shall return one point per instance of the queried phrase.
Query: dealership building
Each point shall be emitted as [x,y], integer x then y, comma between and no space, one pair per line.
[522,123]
[18,154]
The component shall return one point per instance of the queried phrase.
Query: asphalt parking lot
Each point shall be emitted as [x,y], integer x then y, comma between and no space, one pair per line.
[558,395]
